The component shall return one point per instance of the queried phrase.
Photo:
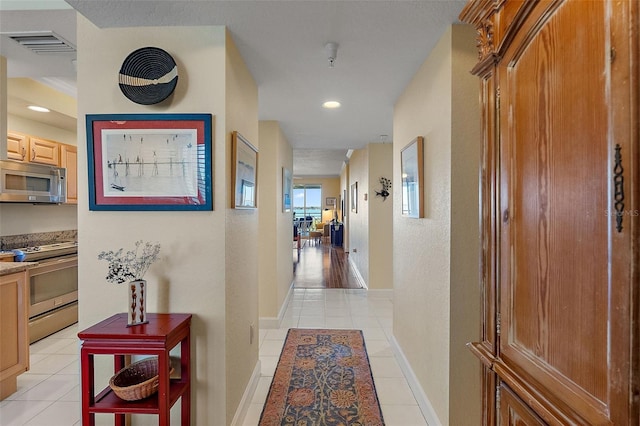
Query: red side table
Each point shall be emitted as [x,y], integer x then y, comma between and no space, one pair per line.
[158,337]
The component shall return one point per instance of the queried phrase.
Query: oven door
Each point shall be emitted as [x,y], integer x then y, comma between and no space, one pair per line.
[53,284]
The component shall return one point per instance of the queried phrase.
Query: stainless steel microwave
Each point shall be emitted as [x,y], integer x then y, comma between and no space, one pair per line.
[32,183]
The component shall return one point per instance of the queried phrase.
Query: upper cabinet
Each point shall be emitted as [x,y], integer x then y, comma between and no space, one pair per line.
[69,160]
[33,149]
[17,146]
[43,151]
[559,85]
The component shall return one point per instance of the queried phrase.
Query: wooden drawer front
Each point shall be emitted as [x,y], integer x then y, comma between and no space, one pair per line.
[44,151]
[17,146]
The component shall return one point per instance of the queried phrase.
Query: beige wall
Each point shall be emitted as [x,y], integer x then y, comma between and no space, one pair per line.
[359,221]
[380,218]
[276,230]
[370,229]
[195,273]
[435,258]
[241,237]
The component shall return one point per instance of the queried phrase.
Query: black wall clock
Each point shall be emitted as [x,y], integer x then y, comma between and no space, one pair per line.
[148,76]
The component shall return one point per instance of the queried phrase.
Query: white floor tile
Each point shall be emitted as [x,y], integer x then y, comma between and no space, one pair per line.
[53,363]
[51,389]
[385,367]
[268,365]
[403,415]
[17,413]
[271,348]
[262,389]
[27,381]
[58,413]
[394,391]
[378,348]
[253,415]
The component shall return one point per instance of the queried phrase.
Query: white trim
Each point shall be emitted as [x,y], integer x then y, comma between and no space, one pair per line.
[357,274]
[418,393]
[274,322]
[245,402]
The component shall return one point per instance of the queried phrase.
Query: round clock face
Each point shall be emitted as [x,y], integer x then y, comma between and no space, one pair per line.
[148,76]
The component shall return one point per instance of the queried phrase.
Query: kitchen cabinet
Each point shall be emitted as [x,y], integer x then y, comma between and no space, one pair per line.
[14,344]
[559,87]
[33,149]
[69,160]
[43,151]
[17,146]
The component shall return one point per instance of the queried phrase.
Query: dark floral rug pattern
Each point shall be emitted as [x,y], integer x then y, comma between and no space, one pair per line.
[323,378]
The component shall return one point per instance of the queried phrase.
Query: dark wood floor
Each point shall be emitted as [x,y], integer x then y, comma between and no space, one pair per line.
[320,265]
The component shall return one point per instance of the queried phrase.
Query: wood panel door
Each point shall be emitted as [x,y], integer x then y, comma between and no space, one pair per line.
[566,298]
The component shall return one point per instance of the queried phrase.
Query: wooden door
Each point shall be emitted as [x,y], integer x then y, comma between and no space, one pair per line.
[566,298]
[514,412]
[44,151]
[69,160]
[17,146]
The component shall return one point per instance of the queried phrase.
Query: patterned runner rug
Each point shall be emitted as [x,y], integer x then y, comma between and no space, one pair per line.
[323,378]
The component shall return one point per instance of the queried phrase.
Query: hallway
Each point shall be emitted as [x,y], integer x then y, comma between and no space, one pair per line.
[49,394]
[369,311]
[321,265]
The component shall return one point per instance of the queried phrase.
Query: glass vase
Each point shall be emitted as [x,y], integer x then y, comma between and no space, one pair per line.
[137,303]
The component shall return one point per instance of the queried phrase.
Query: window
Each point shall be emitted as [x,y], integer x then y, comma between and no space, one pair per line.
[307,203]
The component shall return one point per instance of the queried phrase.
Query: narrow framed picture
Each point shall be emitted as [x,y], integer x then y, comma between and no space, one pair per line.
[412,169]
[287,190]
[354,197]
[149,161]
[245,170]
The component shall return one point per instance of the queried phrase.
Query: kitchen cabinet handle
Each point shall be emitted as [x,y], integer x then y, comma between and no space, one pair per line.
[618,182]
[33,154]
[24,152]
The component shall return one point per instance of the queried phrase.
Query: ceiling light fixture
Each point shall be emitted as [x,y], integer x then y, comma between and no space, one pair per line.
[331,104]
[332,52]
[38,108]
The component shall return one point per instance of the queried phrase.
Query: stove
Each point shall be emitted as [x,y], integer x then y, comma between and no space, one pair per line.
[46,251]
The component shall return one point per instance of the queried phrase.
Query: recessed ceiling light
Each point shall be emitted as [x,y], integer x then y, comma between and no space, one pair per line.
[38,108]
[331,104]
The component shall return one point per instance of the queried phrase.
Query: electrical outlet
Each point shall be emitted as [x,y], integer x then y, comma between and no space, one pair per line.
[355,250]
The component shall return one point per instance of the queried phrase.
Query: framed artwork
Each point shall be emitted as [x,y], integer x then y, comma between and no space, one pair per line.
[149,161]
[330,202]
[354,197]
[412,166]
[287,190]
[245,170]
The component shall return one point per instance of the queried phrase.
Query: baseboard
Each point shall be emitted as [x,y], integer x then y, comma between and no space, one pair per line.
[274,322]
[423,402]
[356,272]
[243,407]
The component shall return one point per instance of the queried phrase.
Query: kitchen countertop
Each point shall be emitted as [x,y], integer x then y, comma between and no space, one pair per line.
[7,268]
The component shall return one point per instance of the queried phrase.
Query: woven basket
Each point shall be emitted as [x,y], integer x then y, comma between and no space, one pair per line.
[138,380]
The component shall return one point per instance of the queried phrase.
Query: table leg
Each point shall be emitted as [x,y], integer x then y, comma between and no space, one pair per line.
[185,365]
[88,398]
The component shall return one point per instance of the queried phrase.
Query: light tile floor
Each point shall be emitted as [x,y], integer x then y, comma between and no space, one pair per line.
[370,312]
[49,394]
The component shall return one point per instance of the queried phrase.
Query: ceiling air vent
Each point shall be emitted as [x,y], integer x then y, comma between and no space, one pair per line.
[42,42]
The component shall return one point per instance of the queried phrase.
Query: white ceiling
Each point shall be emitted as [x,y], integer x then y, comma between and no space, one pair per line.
[381,45]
